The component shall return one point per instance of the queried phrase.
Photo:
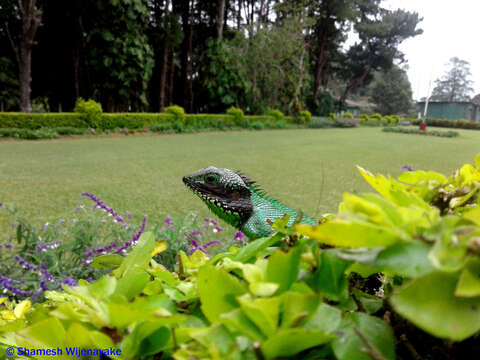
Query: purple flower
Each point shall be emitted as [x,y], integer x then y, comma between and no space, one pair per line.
[61,222]
[406,167]
[239,236]
[217,229]
[78,208]
[169,222]
[122,249]
[1,204]
[100,204]
[69,281]
[8,285]
[45,227]
[43,284]
[129,215]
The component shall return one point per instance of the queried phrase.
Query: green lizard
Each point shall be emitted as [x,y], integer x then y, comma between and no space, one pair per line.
[239,201]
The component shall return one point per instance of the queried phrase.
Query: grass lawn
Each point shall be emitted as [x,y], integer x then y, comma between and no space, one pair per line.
[308,169]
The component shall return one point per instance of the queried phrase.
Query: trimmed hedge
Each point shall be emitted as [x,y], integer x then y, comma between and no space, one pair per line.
[131,120]
[37,121]
[454,124]
[421,132]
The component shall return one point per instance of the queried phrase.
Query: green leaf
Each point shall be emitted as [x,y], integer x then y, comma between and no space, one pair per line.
[296,307]
[283,268]
[107,261]
[325,318]
[218,290]
[430,303]
[350,234]
[237,321]
[330,279]
[155,342]
[370,303]
[253,248]
[47,333]
[349,345]
[103,287]
[414,177]
[132,284]
[392,260]
[139,258]
[468,285]
[262,312]
[289,342]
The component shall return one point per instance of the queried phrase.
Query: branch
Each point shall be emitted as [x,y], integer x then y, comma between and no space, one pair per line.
[370,350]
[12,43]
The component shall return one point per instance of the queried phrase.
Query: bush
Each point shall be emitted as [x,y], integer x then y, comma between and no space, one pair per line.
[256,125]
[347,115]
[237,115]
[68,130]
[392,274]
[91,112]
[456,124]
[333,116]
[28,134]
[161,127]
[177,112]
[321,122]
[37,121]
[276,115]
[364,119]
[421,132]
[304,117]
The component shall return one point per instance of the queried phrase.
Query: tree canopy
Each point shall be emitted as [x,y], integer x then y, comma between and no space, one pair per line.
[143,55]
[455,84]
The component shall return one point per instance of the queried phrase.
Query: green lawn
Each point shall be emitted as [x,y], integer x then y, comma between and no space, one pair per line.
[142,174]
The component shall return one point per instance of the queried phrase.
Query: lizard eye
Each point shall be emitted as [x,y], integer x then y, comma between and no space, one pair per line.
[211,179]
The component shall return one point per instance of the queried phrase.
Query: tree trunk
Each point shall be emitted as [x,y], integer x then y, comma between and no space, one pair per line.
[163,72]
[220,19]
[31,20]
[356,82]
[319,70]
[239,14]
[187,58]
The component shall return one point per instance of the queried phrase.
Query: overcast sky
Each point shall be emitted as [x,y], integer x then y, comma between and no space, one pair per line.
[450,28]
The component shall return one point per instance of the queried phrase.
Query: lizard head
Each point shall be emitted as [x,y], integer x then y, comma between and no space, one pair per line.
[225,192]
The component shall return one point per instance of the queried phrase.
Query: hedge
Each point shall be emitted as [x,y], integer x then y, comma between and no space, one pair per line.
[455,124]
[127,120]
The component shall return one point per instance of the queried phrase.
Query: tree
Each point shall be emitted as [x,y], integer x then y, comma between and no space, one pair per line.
[391,91]
[378,47]
[120,57]
[22,42]
[456,84]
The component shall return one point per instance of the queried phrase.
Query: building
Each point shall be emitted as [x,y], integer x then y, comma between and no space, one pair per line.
[456,110]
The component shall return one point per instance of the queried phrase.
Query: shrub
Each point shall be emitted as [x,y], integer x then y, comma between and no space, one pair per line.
[364,119]
[333,116]
[347,115]
[276,115]
[321,122]
[346,123]
[304,117]
[161,127]
[69,130]
[37,121]
[391,274]
[421,132]
[237,115]
[256,125]
[91,112]
[177,112]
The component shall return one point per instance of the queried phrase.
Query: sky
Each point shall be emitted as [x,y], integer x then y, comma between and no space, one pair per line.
[450,28]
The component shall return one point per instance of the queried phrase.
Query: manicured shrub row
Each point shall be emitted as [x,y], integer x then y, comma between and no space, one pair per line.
[421,132]
[137,120]
[455,124]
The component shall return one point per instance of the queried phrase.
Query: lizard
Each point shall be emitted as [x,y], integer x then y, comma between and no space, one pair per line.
[239,201]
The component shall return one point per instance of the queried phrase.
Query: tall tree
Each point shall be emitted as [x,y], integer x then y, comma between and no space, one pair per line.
[380,36]
[456,84]
[391,91]
[120,57]
[22,42]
